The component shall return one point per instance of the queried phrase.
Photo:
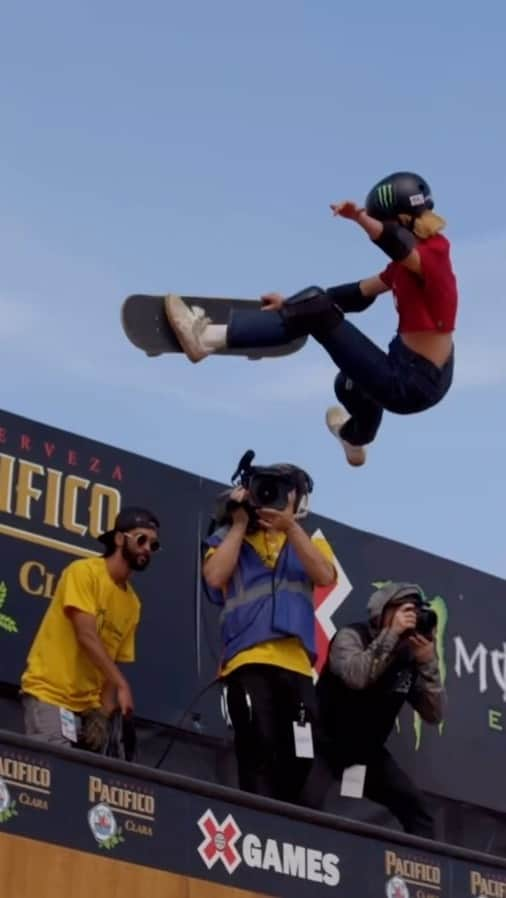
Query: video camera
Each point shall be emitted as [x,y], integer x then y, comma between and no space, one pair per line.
[267,487]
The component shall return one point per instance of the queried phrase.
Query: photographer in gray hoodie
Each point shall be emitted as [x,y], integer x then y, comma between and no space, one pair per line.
[372,669]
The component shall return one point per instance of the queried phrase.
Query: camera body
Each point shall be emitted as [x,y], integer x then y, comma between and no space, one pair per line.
[426,620]
[267,487]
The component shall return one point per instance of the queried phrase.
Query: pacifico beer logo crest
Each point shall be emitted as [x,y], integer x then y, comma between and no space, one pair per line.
[7,807]
[104,827]
[111,799]
[397,888]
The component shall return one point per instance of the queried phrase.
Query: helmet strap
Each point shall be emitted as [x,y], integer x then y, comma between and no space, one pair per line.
[407,221]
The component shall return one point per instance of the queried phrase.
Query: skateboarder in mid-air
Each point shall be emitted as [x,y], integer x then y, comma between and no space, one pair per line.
[417,371]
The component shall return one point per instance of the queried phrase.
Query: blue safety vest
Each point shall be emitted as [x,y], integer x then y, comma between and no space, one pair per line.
[262,603]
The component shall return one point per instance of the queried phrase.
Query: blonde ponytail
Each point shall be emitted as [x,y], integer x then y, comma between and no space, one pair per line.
[426,225]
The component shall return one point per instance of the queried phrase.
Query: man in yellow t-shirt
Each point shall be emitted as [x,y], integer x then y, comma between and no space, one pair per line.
[72,683]
[262,570]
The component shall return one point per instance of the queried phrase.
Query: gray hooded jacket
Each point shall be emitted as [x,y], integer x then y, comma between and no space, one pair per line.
[360,667]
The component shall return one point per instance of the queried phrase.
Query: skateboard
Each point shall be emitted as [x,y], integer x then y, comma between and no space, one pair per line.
[146,326]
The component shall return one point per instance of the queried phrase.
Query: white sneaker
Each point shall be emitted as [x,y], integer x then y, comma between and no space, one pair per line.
[188,324]
[335,418]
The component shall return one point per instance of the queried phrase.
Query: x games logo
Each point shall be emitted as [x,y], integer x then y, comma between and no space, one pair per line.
[219,841]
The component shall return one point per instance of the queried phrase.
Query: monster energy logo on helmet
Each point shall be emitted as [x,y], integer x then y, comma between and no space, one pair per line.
[385,194]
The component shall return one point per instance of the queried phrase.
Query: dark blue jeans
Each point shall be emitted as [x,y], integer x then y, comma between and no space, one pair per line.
[370,380]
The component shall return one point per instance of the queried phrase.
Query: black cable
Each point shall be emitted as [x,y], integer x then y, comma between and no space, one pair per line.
[179,723]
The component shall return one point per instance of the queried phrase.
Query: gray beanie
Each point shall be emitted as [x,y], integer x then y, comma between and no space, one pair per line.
[392,592]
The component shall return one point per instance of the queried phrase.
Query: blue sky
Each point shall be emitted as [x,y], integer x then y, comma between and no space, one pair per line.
[194,148]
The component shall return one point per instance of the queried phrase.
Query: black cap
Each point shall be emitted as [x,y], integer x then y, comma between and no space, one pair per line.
[128,519]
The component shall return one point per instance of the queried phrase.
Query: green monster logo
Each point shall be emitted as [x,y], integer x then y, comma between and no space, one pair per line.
[438,605]
[385,193]
[6,623]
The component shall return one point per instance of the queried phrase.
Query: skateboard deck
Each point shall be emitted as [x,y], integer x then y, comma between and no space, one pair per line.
[146,326]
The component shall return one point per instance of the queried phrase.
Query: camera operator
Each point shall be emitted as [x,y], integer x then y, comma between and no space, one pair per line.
[261,566]
[372,669]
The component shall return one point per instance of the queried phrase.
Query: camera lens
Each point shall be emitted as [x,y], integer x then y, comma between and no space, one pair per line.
[268,492]
[426,620]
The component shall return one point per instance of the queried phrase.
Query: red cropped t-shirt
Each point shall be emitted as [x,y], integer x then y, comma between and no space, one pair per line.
[426,302]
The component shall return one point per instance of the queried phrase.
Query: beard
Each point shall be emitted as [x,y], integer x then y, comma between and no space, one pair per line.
[138,560]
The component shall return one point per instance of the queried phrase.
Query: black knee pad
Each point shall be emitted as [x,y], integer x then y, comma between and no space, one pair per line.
[312,311]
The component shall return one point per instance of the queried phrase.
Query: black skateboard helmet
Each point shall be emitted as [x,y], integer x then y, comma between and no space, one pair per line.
[402,193]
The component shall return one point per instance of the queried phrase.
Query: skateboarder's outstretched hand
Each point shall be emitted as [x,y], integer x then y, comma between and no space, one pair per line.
[271,302]
[346,209]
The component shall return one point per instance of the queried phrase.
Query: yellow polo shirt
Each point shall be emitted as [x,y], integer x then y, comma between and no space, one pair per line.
[58,670]
[287,652]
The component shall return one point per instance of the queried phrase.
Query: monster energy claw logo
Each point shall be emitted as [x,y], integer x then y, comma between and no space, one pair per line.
[385,194]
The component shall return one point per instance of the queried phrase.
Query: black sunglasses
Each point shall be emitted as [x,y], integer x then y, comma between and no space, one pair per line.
[141,539]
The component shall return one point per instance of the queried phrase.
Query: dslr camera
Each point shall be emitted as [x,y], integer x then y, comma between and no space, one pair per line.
[267,487]
[426,620]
